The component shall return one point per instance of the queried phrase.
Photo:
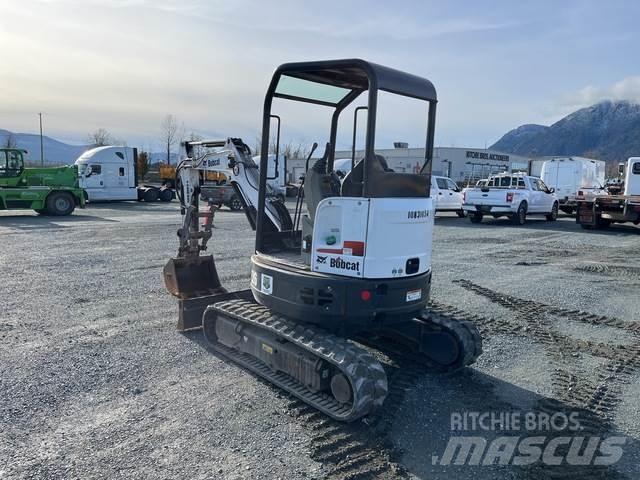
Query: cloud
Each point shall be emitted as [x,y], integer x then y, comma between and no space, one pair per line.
[626,89]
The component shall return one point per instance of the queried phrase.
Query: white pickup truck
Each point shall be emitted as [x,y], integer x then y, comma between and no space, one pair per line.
[513,195]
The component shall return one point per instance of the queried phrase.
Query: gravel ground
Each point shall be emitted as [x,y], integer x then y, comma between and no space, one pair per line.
[96,383]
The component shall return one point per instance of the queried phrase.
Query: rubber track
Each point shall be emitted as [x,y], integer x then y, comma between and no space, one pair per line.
[360,450]
[366,375]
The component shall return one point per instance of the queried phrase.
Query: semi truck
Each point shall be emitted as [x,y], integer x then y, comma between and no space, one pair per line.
[569,175]
[600,211]
[48,191]
[110,173]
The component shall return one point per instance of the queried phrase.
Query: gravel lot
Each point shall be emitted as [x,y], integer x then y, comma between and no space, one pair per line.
[96,383]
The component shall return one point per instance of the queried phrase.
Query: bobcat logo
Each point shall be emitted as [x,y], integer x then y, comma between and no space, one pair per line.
[321,259]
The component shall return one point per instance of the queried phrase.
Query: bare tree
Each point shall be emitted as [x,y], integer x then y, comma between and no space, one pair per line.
[100,138]
[294,150]
[169,127]
[290,149]
[143,164]
[10,141]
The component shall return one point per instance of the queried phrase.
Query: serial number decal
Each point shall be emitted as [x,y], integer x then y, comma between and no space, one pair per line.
[411,214]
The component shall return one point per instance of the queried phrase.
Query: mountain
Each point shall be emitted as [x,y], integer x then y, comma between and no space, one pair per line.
[606,130]
[55,152]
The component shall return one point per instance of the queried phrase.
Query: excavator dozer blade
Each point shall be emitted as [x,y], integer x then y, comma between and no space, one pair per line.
[192,277]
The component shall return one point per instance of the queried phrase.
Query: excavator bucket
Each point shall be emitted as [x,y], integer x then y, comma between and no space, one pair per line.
[192,277]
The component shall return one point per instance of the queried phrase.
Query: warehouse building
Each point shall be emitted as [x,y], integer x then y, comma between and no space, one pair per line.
[463,165]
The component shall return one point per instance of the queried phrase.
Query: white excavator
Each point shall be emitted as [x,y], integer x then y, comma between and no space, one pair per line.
[352,270]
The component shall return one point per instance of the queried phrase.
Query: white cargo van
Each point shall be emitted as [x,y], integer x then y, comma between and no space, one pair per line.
[569,175]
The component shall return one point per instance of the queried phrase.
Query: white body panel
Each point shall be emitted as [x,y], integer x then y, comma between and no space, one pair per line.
[372,238]
[568,175]
[108,173]
[632,177]
[519,187]
[446,194]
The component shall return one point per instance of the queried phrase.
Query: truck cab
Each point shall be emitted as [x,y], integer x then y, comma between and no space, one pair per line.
[11,166]
[632,177]
[109,173]
[447,195]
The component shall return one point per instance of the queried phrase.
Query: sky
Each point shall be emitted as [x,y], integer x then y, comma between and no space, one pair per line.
[123,65]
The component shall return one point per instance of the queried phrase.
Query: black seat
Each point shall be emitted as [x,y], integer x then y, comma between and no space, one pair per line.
[384,182]
[352,182]
[318,184]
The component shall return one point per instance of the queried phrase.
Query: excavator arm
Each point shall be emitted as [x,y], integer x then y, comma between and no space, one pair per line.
[191,274]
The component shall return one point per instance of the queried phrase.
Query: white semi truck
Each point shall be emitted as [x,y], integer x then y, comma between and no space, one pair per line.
[570,175]
[110,173]
[600,211]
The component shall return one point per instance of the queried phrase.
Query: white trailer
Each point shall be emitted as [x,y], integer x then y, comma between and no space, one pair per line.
[570,175]
[110,173]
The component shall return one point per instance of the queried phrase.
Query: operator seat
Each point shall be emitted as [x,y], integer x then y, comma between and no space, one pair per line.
[352,182]
[318,185]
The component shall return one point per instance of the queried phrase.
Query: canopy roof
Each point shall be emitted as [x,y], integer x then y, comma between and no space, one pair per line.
[331,82]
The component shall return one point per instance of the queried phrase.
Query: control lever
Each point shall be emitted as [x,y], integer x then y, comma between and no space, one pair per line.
[298,211]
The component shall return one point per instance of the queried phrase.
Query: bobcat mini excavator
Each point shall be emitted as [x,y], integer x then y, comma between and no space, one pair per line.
[353,271]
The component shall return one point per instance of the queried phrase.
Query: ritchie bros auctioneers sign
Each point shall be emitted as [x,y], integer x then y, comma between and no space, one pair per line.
[487,156]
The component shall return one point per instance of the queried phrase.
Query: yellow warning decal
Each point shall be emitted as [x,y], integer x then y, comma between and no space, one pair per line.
[267,348]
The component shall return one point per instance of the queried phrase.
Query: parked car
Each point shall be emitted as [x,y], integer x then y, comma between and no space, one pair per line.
[221,195]
[513,195]
[447,195]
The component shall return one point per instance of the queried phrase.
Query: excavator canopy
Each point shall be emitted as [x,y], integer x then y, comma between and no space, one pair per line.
[331,82]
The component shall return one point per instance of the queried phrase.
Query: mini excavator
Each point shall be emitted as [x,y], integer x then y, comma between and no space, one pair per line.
[334,282]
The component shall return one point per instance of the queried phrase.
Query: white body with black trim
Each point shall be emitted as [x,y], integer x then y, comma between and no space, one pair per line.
[108,173]
[373,238]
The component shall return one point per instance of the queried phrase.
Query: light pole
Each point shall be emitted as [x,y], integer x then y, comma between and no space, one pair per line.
[448,167]
[41,142]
